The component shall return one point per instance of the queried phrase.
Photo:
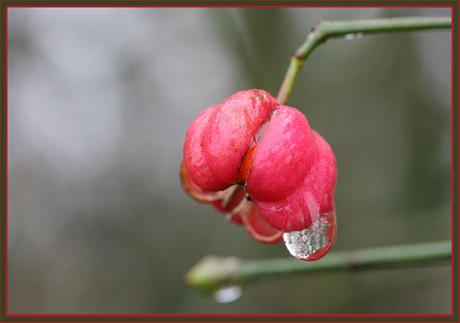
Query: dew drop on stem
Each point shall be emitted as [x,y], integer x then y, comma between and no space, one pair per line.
[353,36]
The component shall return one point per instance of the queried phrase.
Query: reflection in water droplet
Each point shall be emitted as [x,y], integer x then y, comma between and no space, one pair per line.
[228,294]
[350,36]
[353,36]
[315,241]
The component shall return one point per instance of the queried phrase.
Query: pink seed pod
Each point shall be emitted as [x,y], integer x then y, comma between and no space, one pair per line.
[262,165]
[220,136]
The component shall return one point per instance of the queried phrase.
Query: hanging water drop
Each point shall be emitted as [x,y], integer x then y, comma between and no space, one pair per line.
[228,294]
[315,241]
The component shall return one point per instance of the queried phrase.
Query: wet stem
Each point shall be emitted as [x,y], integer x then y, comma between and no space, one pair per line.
[324,30]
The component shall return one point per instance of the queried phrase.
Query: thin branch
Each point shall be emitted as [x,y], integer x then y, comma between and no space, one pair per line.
[324,30]
[213,273]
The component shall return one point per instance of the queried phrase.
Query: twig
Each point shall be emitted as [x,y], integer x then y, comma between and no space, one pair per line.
[213,273]
[324,30]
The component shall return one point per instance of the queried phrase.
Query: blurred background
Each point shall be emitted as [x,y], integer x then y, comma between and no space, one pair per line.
[99,101]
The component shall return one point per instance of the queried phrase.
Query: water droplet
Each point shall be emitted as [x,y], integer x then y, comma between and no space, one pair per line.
[228,294]
[353,36]
[350,36]
[315,241]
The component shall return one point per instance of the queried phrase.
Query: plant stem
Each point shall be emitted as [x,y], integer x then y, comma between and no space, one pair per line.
[352,260]
[212,273]
[324,30]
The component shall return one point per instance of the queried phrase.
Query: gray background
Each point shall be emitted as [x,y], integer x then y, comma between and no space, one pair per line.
[99,101]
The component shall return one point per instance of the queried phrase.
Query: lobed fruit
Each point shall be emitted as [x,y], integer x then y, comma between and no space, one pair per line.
[286,170]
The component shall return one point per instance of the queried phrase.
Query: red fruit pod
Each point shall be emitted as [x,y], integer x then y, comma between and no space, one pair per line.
[313,196]
[285,154]
[219,138]
[194,158]
[284,172]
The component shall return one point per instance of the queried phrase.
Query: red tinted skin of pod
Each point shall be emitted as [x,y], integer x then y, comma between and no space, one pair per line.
[262,165]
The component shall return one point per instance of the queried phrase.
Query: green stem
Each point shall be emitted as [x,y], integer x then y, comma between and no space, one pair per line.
[352,260]
[213,273]
[328,29]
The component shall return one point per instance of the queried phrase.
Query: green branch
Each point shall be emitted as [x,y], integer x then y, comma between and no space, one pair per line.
[324,30]
[213,273]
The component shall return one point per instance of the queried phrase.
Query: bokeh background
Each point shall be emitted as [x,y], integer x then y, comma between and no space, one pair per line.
[100,99]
